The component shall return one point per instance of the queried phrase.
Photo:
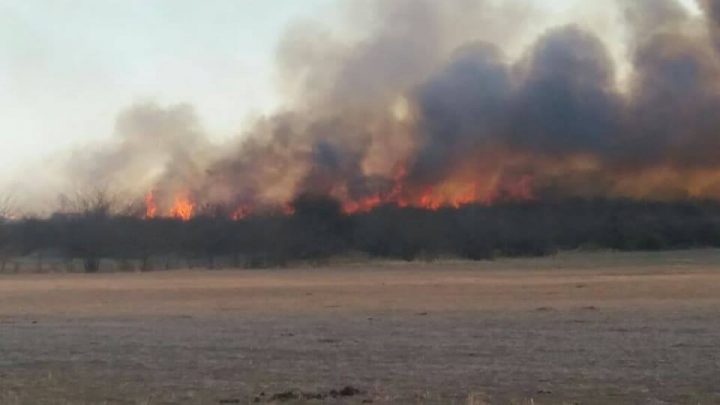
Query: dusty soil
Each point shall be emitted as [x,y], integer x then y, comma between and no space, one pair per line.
[578,328]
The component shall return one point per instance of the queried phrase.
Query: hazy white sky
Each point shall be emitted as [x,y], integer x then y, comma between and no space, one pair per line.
[67,67]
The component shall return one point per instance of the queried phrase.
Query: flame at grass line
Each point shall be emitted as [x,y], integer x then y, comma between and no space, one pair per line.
[182,208]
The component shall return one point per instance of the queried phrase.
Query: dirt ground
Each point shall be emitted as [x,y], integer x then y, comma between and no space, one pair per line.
[590,328]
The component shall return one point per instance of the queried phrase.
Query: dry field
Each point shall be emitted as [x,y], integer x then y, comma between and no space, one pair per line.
[577,328]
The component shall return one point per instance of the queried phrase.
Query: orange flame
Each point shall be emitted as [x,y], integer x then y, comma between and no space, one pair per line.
[150,206]
[363,205]
[455,192]
[182,208]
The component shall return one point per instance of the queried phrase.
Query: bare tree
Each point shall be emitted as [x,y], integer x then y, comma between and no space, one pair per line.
[7,213]
[92,202]
[7,208]
[87,217]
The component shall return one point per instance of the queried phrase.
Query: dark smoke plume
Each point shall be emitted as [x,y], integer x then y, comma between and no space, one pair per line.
[430,108]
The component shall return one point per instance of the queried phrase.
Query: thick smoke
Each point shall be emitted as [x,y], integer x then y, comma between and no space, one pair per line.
[712,9]
[433,106]
[158,149]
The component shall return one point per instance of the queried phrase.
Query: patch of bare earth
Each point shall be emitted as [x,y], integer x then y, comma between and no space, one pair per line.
[581,328]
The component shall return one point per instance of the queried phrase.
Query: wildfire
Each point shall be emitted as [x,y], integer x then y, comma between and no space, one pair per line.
[453,193]
[150,206]
[443,196]
[182,208]
[362,205]
[457,191]
[447,197]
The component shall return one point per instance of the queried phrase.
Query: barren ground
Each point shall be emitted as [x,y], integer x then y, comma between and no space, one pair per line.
[578,328]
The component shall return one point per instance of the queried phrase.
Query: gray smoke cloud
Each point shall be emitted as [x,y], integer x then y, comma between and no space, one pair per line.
[431,102]
[153,148]
[712,9]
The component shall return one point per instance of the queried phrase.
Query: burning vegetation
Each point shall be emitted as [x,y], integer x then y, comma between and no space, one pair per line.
[428,110]
[98,231]
[428,122]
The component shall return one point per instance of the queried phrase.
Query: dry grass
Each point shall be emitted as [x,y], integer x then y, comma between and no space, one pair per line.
[578,328]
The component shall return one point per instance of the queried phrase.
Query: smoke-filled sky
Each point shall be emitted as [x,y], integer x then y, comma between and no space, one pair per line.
[254,101]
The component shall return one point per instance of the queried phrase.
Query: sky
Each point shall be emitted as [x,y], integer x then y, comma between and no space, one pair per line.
[68,67]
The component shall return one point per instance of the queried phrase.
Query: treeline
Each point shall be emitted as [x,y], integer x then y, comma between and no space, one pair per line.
[319,230]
